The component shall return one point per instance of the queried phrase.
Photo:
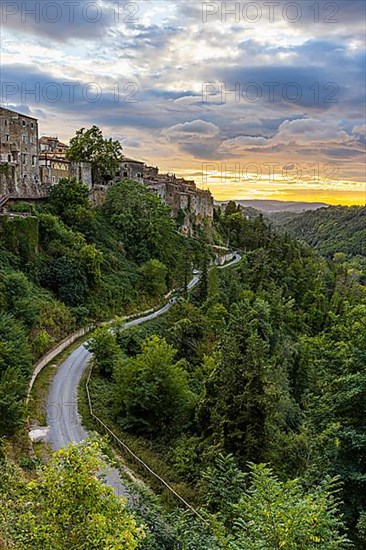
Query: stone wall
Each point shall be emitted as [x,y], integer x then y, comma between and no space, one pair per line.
[82,172]
[19,151]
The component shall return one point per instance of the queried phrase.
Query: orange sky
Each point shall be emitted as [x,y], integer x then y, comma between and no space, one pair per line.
[230,186]
[180,88]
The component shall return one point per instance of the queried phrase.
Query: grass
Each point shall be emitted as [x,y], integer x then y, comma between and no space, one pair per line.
[38,397]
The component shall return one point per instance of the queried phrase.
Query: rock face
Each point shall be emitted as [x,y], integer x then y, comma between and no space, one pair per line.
[38,435]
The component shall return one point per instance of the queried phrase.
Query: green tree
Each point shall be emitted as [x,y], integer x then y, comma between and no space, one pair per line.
[231,208]
[154,274]
[66,278]
[152,393]
[15,368]
[144,223]
[275,514]
[202,290]
[332,374]
[105,155]
[66,506]
[246,406]
[70,200]
[106,351]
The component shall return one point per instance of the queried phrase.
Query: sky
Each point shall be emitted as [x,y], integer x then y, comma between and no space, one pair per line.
[253,100]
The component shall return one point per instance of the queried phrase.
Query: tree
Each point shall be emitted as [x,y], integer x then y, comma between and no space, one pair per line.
[246,406]
[275,514]
[15,368]
[334,397]
[231,208]
[105,349]
[202,290]
[144,223]
[67,279]
[154,277]
[67,507]
[70,200]
[105,155]
[152,393]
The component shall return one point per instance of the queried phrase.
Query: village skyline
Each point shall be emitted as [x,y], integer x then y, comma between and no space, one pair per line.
[268,104]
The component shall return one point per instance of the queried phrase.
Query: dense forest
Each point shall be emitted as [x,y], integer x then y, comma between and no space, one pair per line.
[65,264]
[249,395]
[330,230]
[264,365]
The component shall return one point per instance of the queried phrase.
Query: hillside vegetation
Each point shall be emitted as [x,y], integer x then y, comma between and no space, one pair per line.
[264,365]
[248,396]
[329,230]
[66,264]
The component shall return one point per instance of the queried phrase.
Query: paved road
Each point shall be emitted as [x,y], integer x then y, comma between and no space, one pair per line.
[63,418]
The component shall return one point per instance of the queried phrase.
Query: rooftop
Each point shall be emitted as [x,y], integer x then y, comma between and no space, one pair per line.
[5,110]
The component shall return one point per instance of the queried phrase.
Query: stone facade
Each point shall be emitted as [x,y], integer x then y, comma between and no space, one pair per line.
[29,166]
[82,172]
[150,172]
[18,153]
[54,165]
[183,196]
[51,144]
[130,169]
[53,168]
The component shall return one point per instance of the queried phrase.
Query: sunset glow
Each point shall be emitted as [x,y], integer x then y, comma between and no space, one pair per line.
[187,84]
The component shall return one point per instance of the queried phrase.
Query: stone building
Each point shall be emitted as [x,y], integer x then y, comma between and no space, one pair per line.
[150,172]
[53,168]
[51,144]
[185,199]
[54,165]
[82,172]
[130,169]
[19,172]
[28,167]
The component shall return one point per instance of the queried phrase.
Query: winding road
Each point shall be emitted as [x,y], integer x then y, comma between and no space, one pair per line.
[63,418]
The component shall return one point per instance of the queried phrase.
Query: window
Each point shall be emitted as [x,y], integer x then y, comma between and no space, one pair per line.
[34,160]
[53,179]
[24,139]
[6,137]
[9,158]
[6,122]
[23,122]
[32,125]
[23,158]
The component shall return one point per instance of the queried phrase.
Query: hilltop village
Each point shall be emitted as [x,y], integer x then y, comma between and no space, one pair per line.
[30,166]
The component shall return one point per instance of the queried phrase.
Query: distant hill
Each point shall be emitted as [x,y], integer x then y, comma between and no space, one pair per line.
[330,230]
[268,206]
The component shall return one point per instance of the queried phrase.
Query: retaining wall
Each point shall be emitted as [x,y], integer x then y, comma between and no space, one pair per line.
[54,352]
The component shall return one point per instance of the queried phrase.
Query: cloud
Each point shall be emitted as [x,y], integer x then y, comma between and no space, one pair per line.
[198,138]
[168,52]
[304,131]
[359,130]
[58,21]
[192,130]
